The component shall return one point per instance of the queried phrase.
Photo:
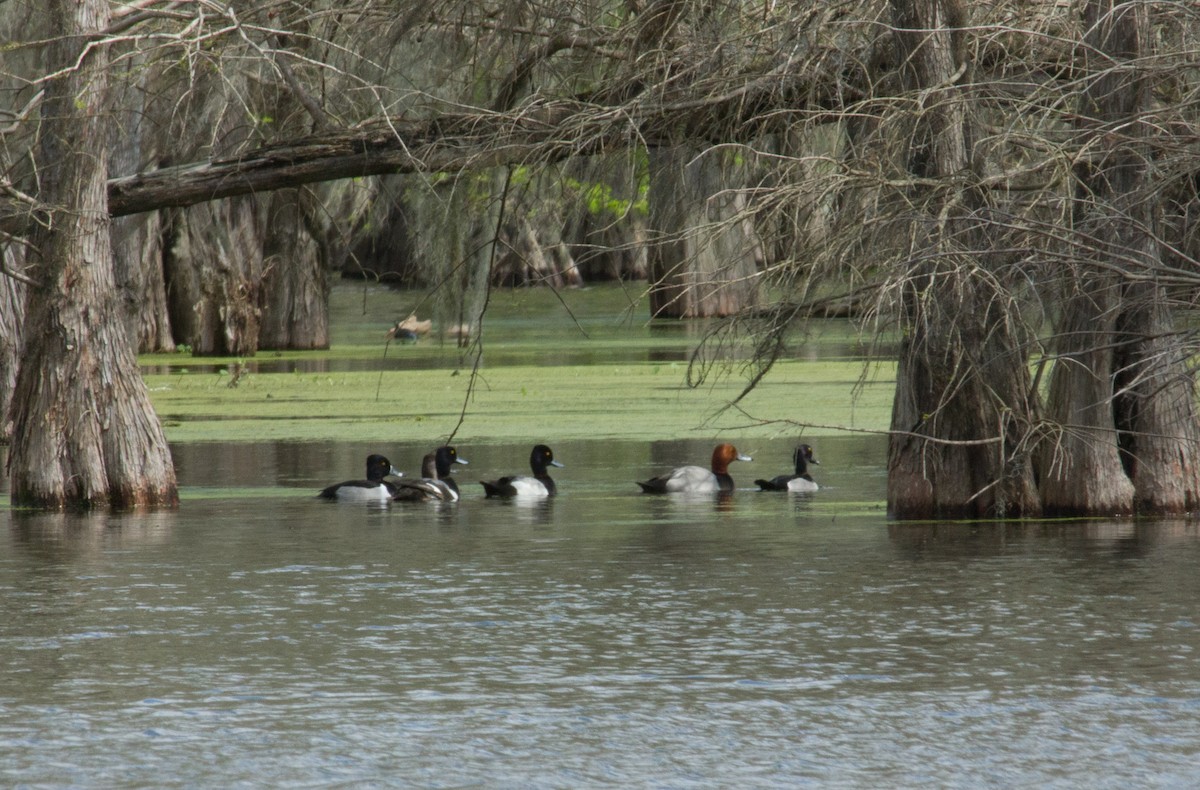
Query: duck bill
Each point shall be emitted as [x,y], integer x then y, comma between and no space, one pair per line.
[555,463]
[744,458]
[462,461]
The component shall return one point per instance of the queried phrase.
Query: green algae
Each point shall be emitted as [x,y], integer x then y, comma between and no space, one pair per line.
[584,370]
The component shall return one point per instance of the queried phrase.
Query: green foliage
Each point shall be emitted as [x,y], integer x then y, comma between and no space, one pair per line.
[601,202]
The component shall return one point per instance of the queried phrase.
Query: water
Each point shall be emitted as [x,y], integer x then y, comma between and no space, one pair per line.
[258,637]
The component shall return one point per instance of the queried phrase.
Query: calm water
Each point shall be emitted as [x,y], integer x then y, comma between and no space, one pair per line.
[258,637]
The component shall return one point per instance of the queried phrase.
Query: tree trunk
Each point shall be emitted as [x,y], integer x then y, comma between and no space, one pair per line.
[295,287]
[213,264]
[533,256]
[1122,389]
[385,235]
[1081,469]
[962,403]
[138,254]
[137,240]
[84,432]
[962,410]
[295,284]
[1155,399]
[1155,406]
[605,227]
[704,253]
[12,322]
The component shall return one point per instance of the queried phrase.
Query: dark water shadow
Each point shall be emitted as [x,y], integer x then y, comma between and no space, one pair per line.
[1087,538]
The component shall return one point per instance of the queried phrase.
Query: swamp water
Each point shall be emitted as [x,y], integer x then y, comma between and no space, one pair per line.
[258,637]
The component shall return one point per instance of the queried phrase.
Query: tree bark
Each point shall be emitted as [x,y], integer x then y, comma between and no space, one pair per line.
[137,239]
[84,432]
[138,253]
[213,265]
[12,321]
[1155,406]
[533,255]
[1122,388]
[704,258]
[1081,468]
[605,228]
[295,282]
[962,402]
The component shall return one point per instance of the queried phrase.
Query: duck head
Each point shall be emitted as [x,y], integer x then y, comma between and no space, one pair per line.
[446,456]
[802,457]
[725,454]
[379,467]
[541,457]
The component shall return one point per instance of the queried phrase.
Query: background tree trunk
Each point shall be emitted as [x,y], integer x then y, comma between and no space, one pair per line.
[705,253]
[213,263]
[137,240]
[606,222]
[294,292]
[295,282]
[1081,469]
[962,390]
[138,250]
[213,251]
[84,432]
[533,255]
[12,322]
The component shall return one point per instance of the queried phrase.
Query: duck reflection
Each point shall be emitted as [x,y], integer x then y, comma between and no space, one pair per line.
[685,507]
[529,510]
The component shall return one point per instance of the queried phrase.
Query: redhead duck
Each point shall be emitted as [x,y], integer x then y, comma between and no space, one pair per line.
[373,489]
[697,479]
[429,487]
[801,480]
[539,485]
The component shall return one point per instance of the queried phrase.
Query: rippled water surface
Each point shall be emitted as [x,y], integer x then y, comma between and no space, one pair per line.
[258,637]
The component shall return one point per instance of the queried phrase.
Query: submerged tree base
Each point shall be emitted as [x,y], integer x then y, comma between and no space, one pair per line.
[84,432]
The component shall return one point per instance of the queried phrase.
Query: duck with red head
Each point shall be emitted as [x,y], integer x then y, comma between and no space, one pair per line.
[697,479]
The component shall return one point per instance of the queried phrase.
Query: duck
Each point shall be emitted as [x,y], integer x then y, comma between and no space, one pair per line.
[426,488]
[445,457]
[697,479]
[539,485]
[801,481]
[373,489]
[410,329]
[435,483]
